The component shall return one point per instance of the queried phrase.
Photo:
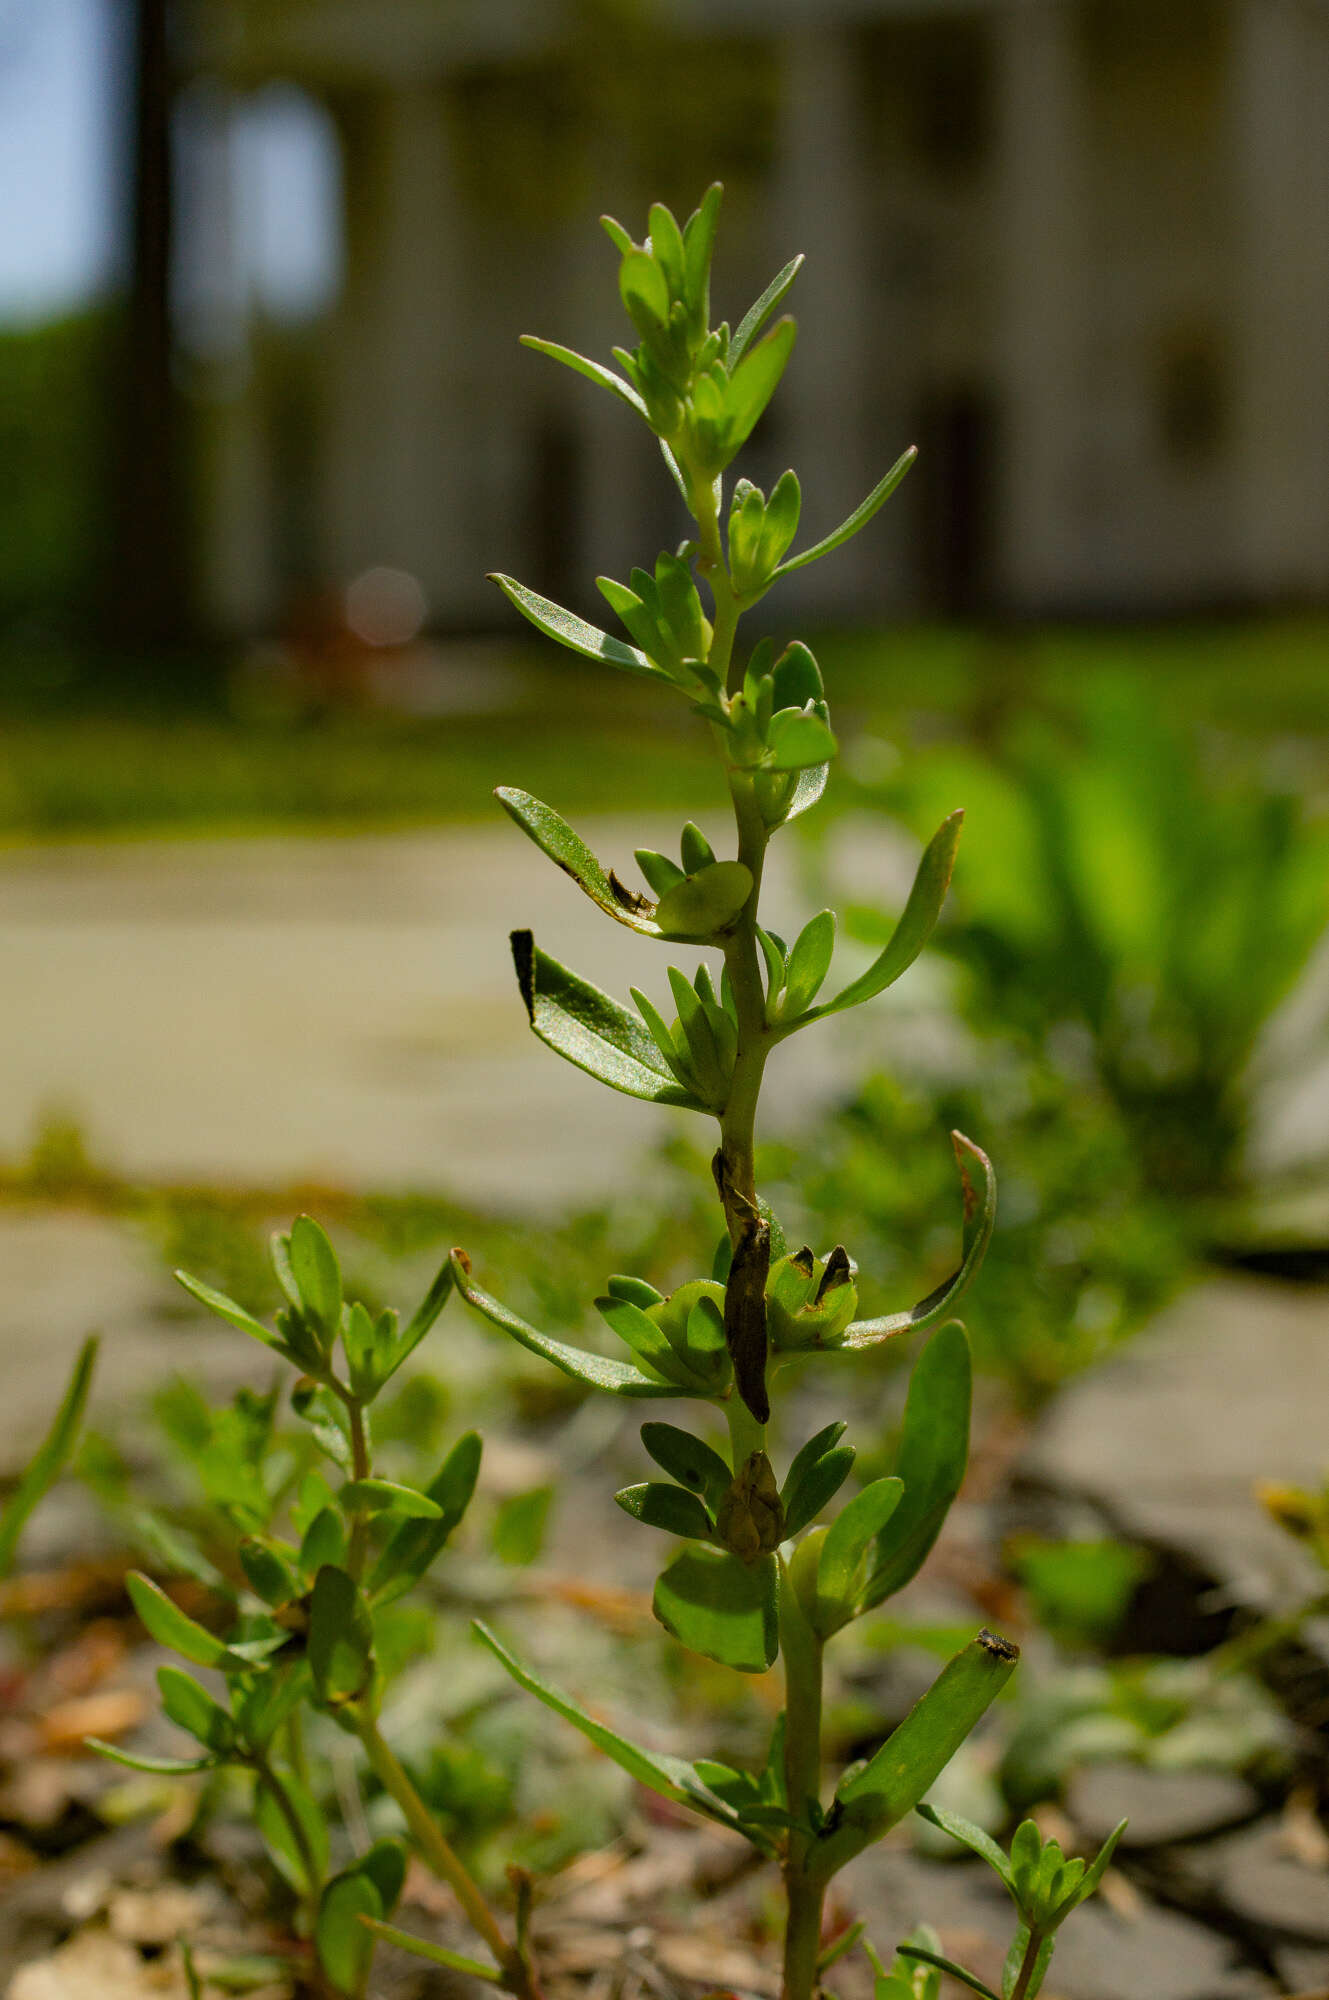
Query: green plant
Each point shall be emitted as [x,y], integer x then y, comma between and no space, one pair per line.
[1044,1887]
[50,1457]
[756,1579]
[306,1621]
[1082,1252]
[1140,909]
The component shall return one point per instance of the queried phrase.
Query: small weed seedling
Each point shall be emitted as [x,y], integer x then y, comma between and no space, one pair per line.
[300,1634]
[756,1579]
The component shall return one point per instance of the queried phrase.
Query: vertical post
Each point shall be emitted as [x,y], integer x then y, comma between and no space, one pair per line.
[819,210]
[145,595]
[1279,83]
[398,406]
[1042,560]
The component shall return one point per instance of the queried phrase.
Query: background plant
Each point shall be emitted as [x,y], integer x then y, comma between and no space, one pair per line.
[1142,906]
[326,1547]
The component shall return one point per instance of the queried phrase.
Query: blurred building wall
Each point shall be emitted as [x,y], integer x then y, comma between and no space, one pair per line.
[1077,250]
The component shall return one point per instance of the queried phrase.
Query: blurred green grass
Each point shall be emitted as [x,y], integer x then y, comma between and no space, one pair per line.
[86,765]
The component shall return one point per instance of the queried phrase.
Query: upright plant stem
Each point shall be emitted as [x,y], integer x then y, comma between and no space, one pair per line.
[1028,1965]
[800,1645]
[519,1975]
[296,1827]
[801,1650]
[360,1469]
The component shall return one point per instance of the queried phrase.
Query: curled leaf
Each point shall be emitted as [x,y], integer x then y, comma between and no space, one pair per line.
[979,1185]
[917,923]
[860,517]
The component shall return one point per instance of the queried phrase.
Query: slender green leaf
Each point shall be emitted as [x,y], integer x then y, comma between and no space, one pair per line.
[227,1309]
[646,1337]
[590,1030]
[757,314]
[670,1777]
[574,633]
[934,1451]
[979,1185]
[817,1483]
[598,1371]
[643,289]
[809,962]
[972,1837]
[698,244]
[754,380]
[263,1705]
[807,1455]
[554,837]
[636,1289]
[341,1640]
[415,1544]
[269,1574]
[666,241]
[314,1263]
[170,1626]
[688,1460]
[50,1457]
[808,790]
[384,1496]
[975,1985]
[617,235]
[156,1767]
[1093,1874]
[695,850]
[345,1946]
[722,1608]
[594,371]
[276,1831]
[363,1348]
[854,1527]
[661,873]
[672,1508]
[422,1319]
[436,1954]
[875,1796]
[324,1542]
[860,517]
[916,925]
[193,1709]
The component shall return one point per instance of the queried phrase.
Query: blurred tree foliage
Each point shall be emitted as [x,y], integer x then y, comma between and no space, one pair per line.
[51,445]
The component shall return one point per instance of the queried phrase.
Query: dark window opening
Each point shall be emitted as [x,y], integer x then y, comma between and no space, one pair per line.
[555,503]
[954,497]
[929,85]
[1190,399]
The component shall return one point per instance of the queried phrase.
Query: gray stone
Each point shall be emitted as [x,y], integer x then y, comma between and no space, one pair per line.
[1153,1953]
[1228,1387]
[1159,1805]
[1304,1970]
[1263,1882]
[1100,1955]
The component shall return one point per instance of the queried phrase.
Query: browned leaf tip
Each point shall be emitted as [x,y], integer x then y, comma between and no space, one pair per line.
[523,957]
